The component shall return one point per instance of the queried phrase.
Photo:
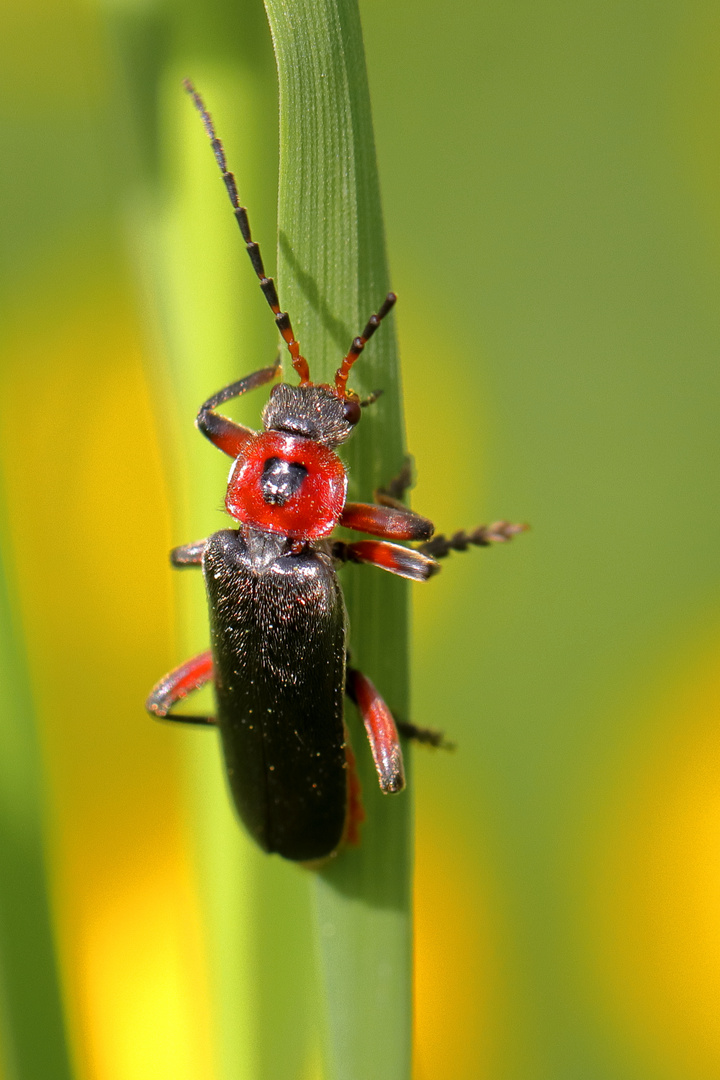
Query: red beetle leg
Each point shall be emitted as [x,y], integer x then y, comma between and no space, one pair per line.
[392,522]
[405,562]
[381,731]
[222,432]
[178,684]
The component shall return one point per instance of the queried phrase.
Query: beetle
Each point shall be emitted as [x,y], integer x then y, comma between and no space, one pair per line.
[278,627]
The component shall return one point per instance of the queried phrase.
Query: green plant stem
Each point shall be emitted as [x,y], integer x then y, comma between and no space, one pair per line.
[332,275]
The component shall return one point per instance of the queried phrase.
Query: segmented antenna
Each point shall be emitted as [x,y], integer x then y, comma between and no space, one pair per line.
[341,375]
[253,249]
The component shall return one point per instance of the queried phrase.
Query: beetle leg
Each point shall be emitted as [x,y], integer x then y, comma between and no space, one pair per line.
[428,736]
[371,398]
[499,533]
[405,562]
[188,554]
[381,731]
[222,432]
[394,492]
[178,684]
[395,522]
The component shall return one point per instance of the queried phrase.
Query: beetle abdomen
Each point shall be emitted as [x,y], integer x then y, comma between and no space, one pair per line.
[278,639]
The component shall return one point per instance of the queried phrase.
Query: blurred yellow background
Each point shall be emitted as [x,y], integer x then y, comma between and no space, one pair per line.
[551,183]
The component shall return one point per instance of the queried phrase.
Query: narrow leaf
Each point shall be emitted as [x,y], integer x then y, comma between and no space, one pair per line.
[332,275]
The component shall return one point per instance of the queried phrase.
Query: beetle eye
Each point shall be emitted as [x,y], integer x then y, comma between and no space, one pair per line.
[352,411]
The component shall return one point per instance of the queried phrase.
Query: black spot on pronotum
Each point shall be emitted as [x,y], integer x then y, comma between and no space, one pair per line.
[281,480]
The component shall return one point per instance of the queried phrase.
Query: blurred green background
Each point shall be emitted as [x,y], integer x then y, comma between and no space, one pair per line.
[551,183]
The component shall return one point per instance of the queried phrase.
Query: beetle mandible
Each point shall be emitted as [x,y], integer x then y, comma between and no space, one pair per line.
[278,656]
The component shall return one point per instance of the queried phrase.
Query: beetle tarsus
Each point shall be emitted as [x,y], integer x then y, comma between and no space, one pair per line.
[498,533]
[426,736]
[395,490]
[371,398]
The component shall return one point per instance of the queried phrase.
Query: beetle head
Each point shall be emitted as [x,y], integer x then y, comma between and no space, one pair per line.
[326,414]
[312,412]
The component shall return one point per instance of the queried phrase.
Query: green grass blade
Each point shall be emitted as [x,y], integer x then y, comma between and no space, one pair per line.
[332,275]
[251,904]
[32,1035]
[213,325]
[216,327]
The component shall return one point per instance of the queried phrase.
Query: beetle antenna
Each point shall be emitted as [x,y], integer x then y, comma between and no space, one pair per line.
[341,375]
[251,246]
